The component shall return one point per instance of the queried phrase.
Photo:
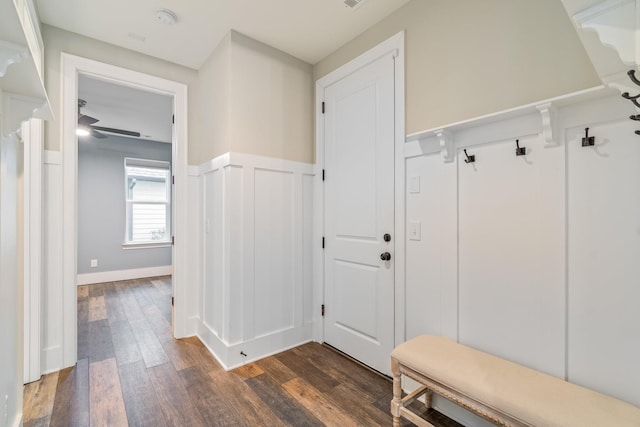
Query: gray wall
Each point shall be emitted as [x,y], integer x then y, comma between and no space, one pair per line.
[101,204]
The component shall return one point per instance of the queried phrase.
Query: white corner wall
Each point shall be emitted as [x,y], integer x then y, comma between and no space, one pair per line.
[257,259]
[532,258]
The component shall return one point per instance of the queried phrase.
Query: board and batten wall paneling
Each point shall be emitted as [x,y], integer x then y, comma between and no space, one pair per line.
[257,229]
[511,225]
[275,260]
[431,263]
[52,263]
[546,245]
[604,252]
[213,306]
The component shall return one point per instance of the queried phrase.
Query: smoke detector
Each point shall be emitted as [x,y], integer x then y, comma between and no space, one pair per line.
[166,16]
[354,4]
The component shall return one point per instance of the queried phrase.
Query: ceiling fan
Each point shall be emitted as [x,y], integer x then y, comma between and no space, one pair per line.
[86,125]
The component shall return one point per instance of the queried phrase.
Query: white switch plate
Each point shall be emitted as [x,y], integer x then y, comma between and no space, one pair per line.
[414,184]
[94,263]
[414,230]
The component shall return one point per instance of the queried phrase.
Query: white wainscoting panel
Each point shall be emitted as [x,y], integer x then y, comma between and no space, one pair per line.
[532,258]
[604,256]
[52,263]
[511,250]
[274,298]
[257,284]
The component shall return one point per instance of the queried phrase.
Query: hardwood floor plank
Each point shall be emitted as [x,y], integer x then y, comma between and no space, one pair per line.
[248,371]
[71,404]
[358,405]
[173,397]
[252,409]
[141,402]
[100,344]
[305,369]
[212,401]
[286,409]
[129,302]
[83,328]
[125,345]
[105,395]
[115,309]
[346,370]
[97,308]
[96,289]
[158,322]
[181,353]
[276,370]
[83,291]
[202,355]
[316,403]
[38,422]
[152,352]
[163,284]
[39,396]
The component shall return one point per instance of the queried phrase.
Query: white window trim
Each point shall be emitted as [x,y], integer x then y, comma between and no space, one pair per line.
[152,164]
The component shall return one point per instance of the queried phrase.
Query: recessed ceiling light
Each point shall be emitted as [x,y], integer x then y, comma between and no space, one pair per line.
[166,16]
[354,4]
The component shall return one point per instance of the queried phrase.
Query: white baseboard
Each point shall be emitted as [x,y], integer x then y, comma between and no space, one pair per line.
[228,355]
[51,359]
[112,276]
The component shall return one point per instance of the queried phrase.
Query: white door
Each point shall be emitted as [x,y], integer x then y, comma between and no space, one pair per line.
[359,208]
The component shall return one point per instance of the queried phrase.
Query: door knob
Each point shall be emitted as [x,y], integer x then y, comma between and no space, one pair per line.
[385,256]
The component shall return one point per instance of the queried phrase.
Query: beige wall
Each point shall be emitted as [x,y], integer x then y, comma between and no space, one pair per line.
[254,99]
[467,58]
[212,99]
[271,101]
[57,41]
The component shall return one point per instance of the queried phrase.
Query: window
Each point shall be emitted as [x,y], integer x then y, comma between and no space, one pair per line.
[148,201]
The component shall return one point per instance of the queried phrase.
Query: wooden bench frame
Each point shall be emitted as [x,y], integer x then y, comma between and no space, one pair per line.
[430,386]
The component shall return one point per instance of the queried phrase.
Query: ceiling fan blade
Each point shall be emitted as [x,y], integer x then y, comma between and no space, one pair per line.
[86,120]
[96,134]
[117,131]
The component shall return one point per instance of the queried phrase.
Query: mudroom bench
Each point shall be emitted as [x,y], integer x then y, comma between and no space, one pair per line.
[500,391]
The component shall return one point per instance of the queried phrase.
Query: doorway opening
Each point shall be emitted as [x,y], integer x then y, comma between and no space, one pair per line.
[169,222]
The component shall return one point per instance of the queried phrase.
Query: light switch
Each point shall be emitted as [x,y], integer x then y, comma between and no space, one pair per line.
[414,230]
[414,184]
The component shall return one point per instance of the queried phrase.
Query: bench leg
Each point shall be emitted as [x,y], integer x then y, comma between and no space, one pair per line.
[396,402]
[428,396]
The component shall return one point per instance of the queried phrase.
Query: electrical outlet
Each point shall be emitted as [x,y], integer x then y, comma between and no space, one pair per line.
[94,263]
[414,230]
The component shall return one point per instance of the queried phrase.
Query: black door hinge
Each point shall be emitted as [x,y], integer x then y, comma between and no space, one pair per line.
[171,301]
[322,107]
[173,240]
[323,242]
[322,310]
[173,119]
[323,174]
[173,179]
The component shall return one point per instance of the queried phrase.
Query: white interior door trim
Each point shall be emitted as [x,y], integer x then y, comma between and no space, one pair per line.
[71,66]
[393,44]
[32,135]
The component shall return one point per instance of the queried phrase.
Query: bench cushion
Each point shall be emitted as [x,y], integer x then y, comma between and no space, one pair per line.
[531,396]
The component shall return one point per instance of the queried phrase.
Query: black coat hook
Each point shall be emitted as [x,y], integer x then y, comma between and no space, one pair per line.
[469,158]
[632,98]
[636,117]
[588,141]
[520,151]
[632,76]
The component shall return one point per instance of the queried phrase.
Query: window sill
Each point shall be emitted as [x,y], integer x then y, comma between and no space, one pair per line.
[146,245]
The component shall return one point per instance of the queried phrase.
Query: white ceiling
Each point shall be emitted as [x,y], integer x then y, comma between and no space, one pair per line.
[306,29]
[127,108]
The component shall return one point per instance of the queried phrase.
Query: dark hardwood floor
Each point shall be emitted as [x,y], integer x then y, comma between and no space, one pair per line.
[131,371]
